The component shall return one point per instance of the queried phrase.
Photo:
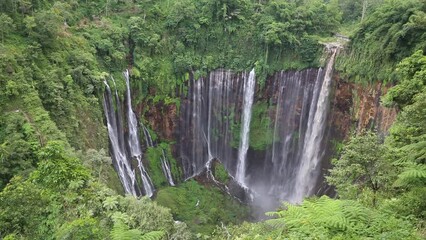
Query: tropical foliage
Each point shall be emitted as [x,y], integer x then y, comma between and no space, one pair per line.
[60,199]
[391,33]
[58,182]
[324,218]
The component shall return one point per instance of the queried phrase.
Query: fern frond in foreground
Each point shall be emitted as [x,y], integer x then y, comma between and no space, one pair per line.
[325,218]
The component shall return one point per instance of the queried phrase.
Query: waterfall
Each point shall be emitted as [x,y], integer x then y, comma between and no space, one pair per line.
[313,138]
[166,169]
[208,121]
[165,166]
[123,149]
[249,87]
[215,124]
[134,144]
[292,95]
[148,138]
[135,148]
[121,163]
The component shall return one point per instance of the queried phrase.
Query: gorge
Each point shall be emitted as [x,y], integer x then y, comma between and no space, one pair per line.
[215,125]
[212,119]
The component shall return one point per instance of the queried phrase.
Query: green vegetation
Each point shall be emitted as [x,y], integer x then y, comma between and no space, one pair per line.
[394,31]
[323,218]
[261,127]
[154,156]
[356,11]
[60,199]
[220,173]
[411,73]
[201,207]
[363,170]
[56,178]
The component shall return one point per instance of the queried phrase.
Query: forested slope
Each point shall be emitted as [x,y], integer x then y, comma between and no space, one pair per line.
[55,172]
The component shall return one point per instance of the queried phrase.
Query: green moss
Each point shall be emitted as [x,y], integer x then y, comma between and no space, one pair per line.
[154,155]
[261,127]
[174,167]
[236,129]
[202,208]
[220,173]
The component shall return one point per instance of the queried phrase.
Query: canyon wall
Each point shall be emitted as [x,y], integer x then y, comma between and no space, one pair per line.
[206,125]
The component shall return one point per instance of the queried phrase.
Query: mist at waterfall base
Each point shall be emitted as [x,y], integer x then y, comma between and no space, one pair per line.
[290,168]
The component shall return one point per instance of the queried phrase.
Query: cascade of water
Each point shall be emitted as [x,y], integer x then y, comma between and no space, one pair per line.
[296,95]
[135,147]
[165,166]
[125,173]
[313,138]
[199,135]
[249,87]
[297,110]
[120,123]
[208,124]
[148,138]
[166,169]
[146,180]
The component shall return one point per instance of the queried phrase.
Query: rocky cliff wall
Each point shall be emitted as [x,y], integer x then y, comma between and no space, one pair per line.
[357,107]
[354,107]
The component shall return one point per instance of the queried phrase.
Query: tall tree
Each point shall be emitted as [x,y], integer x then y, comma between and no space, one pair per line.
[363,171]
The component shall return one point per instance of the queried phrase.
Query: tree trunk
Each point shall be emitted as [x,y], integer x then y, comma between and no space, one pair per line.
[364,9]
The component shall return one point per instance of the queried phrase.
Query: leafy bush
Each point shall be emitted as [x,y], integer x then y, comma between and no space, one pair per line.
[392,32]
[201,207]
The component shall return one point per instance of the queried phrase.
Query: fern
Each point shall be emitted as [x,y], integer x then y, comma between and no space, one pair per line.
[155,235]
[416,152]
[121,231]
[322,215]
[276,223]
[412,175]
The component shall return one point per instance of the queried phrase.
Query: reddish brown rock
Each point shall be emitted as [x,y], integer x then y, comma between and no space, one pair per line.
[358,107]
[162,118]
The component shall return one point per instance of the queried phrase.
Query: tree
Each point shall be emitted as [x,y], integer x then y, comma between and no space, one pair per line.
[58,169]
[17,144]
[80,229]
[362,171]
[408,134]
[23,207]
[99,162]
[411,73]
[392,32]
[60,200]
[6,25]
[408,139]
[355,10]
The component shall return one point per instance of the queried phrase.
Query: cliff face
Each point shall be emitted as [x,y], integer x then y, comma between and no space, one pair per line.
[357,107]
[368,110]
[354,107]
[162,118]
